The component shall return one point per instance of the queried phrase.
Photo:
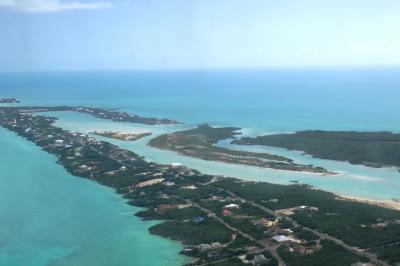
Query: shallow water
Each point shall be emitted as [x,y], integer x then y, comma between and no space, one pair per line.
[47,214]
[48,217]
[354,180]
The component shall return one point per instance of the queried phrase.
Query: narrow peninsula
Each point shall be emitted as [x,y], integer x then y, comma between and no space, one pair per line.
[224,221]
[121,135]
[103,113]
[374,149]
[200,143]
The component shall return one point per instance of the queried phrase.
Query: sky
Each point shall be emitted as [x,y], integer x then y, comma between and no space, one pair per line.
[41,35]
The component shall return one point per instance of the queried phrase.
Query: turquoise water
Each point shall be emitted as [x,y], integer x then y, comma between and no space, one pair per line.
[272,101]
[51,218]
[353,180]
[48,217]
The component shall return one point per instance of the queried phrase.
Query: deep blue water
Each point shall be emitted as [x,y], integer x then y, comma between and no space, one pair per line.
[274,100]
[258,101]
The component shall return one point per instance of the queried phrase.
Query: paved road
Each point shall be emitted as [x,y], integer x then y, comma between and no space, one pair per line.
[373,258]
[339,242]
[257,251]
[272,250]
[213,215]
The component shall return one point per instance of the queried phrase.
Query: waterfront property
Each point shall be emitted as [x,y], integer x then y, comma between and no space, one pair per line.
[193,204]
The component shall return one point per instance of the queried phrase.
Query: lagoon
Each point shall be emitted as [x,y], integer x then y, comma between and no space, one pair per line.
[48,217]
[350,180]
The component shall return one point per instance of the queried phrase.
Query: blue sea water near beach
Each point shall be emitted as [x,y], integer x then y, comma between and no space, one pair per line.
[48,217]
[260,102]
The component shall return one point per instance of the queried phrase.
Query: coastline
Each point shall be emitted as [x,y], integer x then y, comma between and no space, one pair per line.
[333,183]
[390,204]
[343,146]
[132,176]
[200,143]
[124,136]
[247,166]
[107,209]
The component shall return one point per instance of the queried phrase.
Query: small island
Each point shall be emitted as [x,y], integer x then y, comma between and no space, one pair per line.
[373,149]
[220,220]
[200,143]
[9,100]
[103,113]
[121,135]
[115,115]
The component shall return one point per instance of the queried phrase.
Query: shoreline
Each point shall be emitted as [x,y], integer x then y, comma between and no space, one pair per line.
[190,206]
[361,197]
[246,165]
[343,146]
[200,142]
[304,153]
[109,194]
[390,204]
[124,136]
[371,201]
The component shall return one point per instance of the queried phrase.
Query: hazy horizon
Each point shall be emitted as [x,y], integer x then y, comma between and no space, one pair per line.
[80,35]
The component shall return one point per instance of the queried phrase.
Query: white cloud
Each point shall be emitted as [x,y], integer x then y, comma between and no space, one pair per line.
[41,6]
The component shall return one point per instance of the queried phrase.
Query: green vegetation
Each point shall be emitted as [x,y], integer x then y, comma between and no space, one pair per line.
[121,135]
[390,253]
[374,149]
[191,233]
[193,205]
[230,262]
[116,115]
[304,235]
[240,242]
[247,227]
[179,214]
[200,143]
[353,222]
[354,225]
[329,254]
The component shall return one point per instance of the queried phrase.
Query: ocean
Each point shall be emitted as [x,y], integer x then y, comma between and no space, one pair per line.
[258,101]
[275,100]
[48,217]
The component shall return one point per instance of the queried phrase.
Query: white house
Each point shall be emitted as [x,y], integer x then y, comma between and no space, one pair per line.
[231,206]
[281,238]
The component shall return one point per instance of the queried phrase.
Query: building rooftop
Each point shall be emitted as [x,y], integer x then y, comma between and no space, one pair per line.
[281,238]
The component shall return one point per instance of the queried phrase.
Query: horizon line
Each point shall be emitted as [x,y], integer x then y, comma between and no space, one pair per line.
[206,69]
